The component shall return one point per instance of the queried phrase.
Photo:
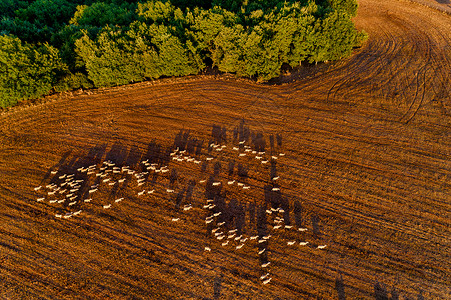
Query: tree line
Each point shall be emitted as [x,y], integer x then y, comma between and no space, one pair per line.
[60,45]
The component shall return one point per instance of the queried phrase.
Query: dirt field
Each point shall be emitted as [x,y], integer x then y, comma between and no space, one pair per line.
[365,168]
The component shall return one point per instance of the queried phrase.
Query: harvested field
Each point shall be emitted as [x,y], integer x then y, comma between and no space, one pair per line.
[358,154]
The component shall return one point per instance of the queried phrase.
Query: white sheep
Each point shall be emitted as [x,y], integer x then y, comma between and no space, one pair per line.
[239,246]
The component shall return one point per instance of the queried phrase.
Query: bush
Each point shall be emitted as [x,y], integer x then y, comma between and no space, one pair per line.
[73,82]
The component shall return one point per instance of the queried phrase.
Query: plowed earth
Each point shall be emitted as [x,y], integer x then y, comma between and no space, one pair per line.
[366,171]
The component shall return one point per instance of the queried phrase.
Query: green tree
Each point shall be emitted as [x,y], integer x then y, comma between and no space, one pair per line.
[347,6]
[27,71]
[117,57]
[227,51]
[106,58]
[100,14]
[335,37]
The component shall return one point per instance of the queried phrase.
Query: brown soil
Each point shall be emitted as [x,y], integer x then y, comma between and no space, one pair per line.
[366,170]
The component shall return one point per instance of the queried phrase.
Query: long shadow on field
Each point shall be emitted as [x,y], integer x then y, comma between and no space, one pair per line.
[183,141]
[117,154]
[298,210]
[241,133]
[156,154]
[134,157]
[57,167]
[380,291]
[315,226]
[219,134]
[340,287]
[217,285]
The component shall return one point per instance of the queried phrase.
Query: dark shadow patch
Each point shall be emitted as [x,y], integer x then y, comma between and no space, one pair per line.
[57,167]
[211,191]
[394,294]
[179,198]
[231,168]
[316,226]
[117,154]
[217,286]
[134,157]
[181,139]
[242,171]
[279,140]
[258,141]
[217,168]
[242,132]
[273,170]
[251,209]
[173,177]
[298,210]
[240,218]
[156,154]
[262,223]
[340,288]
[190,190]
[380,291]
[219,134]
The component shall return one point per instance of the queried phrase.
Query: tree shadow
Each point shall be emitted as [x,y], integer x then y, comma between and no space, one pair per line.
[394,294]
[219,134]
[231,168]
[273,170]
[262,222]
[251,210]
[242,171]
[217,168]
[57,167]
[380,291]
[258,141]
[156,154]
[217,286]
[298,210]
[271,142]
[134,157]
[179,198]
[340,288]
[190,190]
[315,226]
[117,154]
[279,140]
[181,139]
[241,133]
[211,191]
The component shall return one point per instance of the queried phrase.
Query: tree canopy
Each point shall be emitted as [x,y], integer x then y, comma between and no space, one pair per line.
[57,45]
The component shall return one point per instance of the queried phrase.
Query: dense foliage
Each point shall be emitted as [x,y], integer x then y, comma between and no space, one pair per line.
[61,45]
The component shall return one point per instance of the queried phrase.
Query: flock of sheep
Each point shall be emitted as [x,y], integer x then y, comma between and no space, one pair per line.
[79,188]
